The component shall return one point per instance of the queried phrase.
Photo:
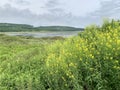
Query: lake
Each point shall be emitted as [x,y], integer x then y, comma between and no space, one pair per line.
[43,34]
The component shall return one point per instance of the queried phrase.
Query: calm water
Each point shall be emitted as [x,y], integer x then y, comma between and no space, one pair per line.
[43,34]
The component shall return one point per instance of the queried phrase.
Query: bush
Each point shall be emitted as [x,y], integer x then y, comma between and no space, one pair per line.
[90,61]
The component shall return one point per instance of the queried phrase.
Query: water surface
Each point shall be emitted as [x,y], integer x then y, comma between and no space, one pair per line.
[43,34]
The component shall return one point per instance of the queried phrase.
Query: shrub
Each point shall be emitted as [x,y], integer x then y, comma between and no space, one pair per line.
[90,61]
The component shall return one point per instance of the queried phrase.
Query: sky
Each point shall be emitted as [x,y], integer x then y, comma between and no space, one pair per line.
[76,13]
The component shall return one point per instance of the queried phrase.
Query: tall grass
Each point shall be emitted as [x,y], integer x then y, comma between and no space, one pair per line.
[90,61]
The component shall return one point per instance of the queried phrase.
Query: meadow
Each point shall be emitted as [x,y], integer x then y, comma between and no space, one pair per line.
[89,61]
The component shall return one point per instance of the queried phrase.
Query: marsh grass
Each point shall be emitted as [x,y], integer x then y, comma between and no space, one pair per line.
[90,61]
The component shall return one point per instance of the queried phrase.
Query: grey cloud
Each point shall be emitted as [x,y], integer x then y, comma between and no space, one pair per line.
[20,2]
[11,12]
[52,3]
[53,6]
[55,15]
[13,15]
[108,9]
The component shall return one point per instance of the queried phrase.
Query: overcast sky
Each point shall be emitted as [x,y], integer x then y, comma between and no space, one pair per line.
[77,13]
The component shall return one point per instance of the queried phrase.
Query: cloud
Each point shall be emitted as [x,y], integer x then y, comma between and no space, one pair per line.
[52,3]
[53,7]
[54,14]
[20,2]
[109,8]
[13,15]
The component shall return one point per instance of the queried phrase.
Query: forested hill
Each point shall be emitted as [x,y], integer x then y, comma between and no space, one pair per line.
[9,27]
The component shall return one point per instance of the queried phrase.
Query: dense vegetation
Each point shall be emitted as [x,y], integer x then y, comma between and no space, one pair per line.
[90,61]
[8,27]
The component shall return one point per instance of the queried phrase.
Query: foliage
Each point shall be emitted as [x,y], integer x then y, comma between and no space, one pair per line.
[8,27]
[90,61]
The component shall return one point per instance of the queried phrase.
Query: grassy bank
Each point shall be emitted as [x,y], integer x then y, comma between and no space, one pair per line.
[90,61]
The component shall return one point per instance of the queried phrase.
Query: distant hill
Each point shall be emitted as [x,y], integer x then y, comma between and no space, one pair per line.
[9,27]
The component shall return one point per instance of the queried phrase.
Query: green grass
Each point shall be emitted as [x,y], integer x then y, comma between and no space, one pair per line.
[89,61]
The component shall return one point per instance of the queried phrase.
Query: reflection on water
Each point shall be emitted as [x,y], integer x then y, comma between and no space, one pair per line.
[43,34]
